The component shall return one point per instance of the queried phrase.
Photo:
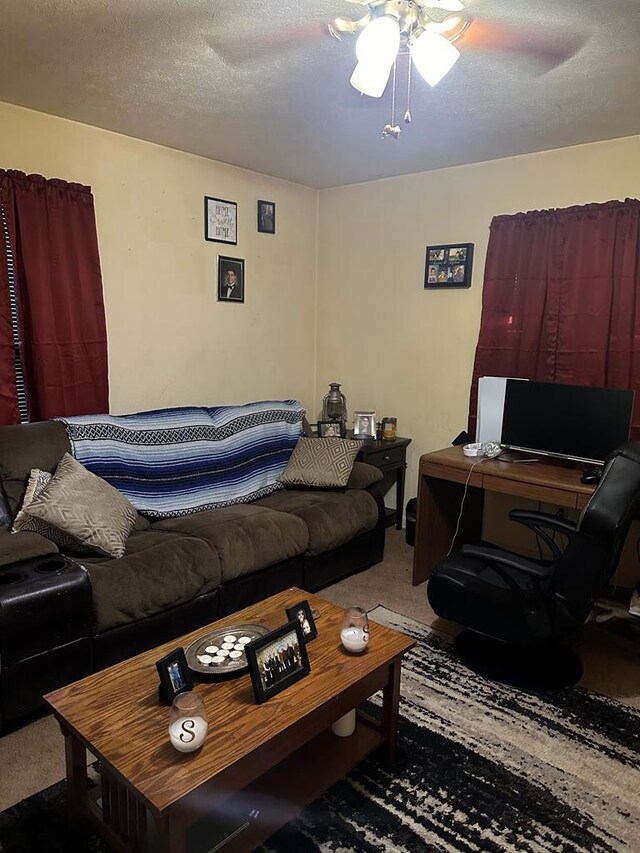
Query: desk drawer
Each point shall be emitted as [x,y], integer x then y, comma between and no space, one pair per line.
[384,458]
[545,494]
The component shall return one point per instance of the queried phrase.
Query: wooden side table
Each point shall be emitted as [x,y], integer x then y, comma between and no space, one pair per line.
[391,458]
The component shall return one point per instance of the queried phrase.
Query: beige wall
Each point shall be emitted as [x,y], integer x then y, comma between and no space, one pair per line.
[170,341]
[408,352]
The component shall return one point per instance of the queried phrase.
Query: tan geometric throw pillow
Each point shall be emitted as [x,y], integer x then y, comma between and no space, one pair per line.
[85,507]
[36,484]
[322,463]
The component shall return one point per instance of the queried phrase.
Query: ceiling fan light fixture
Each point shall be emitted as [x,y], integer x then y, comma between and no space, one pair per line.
[371,78]
[433,56]
[379,41]
[448,5]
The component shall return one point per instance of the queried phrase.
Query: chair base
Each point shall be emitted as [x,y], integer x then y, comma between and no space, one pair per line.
[541,667]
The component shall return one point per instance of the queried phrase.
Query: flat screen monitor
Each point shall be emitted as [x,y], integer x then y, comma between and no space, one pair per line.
[569,421]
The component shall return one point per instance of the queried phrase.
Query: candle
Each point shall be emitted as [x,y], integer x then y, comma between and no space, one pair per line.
[354,639]
[188,733]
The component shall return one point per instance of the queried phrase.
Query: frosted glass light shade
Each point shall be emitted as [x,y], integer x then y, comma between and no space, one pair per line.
[433,56]
[370,78]
[379,41]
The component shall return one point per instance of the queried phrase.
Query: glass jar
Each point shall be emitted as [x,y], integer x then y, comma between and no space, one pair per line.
[188,723]
[355,630]
[389,428]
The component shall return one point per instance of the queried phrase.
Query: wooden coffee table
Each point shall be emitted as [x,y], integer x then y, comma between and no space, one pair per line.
[259,765]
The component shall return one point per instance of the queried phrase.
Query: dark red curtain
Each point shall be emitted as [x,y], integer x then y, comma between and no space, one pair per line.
[52,230]
[561,299]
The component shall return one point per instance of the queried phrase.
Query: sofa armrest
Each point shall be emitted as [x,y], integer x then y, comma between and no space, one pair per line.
[364,475]
[15,547]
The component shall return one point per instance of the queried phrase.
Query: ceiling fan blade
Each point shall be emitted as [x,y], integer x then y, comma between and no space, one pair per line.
[237,49]
[548,46]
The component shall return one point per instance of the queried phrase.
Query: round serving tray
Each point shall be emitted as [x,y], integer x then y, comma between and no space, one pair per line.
[221,652]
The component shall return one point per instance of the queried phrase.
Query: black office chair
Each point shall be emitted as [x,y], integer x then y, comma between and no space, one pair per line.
[519,610]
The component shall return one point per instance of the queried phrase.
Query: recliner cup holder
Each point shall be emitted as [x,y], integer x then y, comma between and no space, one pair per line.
[54,565]
[10,577]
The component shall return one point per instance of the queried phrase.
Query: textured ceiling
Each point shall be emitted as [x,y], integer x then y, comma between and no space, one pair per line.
[261,85]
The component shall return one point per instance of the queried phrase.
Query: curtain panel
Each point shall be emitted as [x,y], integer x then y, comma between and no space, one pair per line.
[561,299]
[52,229]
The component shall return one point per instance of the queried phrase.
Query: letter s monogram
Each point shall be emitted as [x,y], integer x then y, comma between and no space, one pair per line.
[187,729]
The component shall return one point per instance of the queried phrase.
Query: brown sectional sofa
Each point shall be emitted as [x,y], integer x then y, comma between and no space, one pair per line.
[176,575]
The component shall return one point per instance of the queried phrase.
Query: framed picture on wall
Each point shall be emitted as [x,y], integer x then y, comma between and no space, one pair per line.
[220,220]
[266,217]
[230,279]
[448,266]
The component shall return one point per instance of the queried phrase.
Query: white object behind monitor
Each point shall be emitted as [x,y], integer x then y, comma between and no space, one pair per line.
[491,391]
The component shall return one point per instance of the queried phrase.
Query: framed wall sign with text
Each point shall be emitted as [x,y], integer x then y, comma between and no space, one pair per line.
[220,220]
[448,266]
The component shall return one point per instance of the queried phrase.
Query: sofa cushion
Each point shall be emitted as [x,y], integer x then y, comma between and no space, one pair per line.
[159,570]
[27,446]
[85,507]
[364,475]
[245,537]
[332,518]
[14,549]
[323,463]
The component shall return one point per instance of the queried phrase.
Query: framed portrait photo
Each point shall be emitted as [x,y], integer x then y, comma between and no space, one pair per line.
[277,660]
[266,216]
[448,266]
[302,612]
[220,220]
[364,424]
[329,429]
[230,279]
[175,675]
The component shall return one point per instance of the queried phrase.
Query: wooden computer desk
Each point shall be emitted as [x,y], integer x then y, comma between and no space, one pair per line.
[441,479]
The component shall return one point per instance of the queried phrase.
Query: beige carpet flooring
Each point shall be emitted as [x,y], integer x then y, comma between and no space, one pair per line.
[32,757]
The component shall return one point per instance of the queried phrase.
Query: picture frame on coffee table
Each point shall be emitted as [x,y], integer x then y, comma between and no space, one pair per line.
[175,675]
[277,661]
[302,612]
[364,424]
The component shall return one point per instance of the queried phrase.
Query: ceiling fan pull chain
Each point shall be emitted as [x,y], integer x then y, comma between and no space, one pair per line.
[392,129]
[407,115]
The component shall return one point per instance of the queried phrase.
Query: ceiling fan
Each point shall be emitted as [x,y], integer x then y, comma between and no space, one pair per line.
[429,32]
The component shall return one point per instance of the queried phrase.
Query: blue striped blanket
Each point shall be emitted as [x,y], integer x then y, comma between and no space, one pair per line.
[173,462]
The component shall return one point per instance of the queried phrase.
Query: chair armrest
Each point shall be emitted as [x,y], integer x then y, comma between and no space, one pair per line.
[540,522]
[506,558]
[364,475]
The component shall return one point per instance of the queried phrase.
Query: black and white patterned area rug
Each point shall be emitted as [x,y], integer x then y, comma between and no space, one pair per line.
[482,767]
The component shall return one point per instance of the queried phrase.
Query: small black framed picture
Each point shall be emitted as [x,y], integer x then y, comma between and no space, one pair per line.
[266,216]
[302,612]
[277,660]
[230,279]
[220,220]
[329,429]
[175,675]
[448,266]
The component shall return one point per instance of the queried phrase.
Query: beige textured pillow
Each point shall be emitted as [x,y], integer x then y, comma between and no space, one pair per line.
[36,484]
[85,507]
[321,463]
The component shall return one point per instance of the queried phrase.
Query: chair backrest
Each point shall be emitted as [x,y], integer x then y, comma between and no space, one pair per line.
[593,553]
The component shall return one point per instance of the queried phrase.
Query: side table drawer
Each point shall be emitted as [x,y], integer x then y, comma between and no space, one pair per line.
[383,458]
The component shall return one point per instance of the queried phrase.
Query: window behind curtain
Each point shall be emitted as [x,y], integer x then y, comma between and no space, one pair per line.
[52,302]
[561,299]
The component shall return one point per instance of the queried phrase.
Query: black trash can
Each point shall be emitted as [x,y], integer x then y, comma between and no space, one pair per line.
[410,530]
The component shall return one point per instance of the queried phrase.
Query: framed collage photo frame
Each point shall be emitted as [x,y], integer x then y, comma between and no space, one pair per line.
[220,220]
[175,675]
[448,266]
[230,279]
[302,612]
[277,660]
